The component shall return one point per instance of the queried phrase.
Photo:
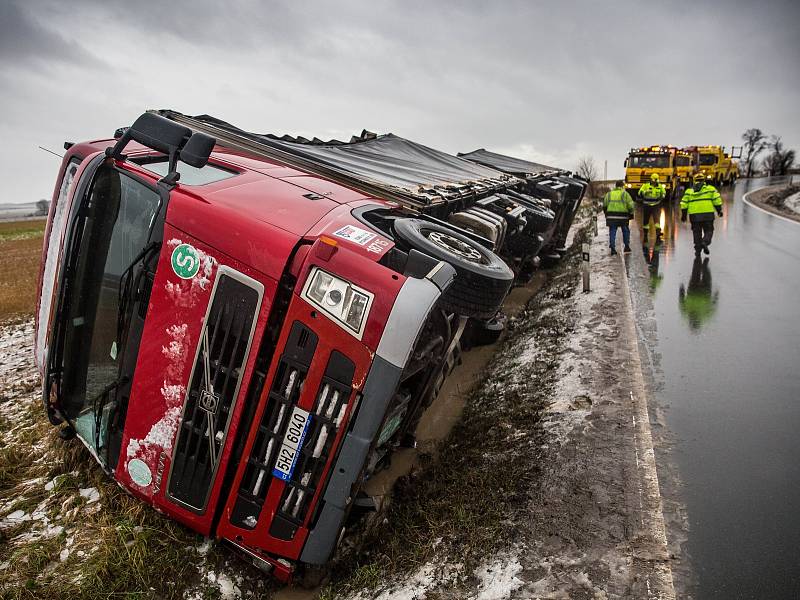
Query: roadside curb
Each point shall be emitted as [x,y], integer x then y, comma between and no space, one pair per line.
[764,210]
[655,559]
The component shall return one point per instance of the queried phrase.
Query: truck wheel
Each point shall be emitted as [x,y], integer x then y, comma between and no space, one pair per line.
[482,279]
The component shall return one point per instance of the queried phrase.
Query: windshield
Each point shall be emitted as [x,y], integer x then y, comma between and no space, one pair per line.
[189,175]
[649,161]
[119,214]
[683,161]
[708,159]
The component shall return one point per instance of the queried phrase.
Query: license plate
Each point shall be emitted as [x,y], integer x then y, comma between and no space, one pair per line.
[292,442]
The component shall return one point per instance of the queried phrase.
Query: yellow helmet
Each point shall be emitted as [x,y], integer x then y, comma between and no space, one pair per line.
[700,176]
[654,177]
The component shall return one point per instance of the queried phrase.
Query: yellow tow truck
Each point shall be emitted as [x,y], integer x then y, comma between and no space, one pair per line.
[644,161]
[684,168]
[717,165]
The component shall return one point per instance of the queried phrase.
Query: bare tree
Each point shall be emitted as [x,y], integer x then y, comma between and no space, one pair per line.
[755,141]
[587,168]
[780,160]
[42,207]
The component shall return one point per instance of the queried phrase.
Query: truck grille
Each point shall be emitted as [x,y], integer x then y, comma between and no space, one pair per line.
[213,387]
[328,412]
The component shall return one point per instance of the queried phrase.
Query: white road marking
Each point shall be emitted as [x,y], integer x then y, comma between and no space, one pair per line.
[652,513]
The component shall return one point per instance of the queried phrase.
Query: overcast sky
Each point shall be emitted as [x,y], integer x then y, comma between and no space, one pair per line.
[547,81]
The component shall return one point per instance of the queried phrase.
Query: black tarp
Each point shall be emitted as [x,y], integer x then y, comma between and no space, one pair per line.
[398,162]
[385,162]
[507,164]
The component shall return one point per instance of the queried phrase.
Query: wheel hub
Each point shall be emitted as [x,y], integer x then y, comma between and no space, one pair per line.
[455,246]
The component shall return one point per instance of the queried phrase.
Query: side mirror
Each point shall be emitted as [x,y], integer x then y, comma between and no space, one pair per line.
[166,136]
[625,164]
[155,132]
[197,150]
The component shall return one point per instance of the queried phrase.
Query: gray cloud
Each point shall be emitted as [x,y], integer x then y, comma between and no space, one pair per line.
[547,80]
[25,42]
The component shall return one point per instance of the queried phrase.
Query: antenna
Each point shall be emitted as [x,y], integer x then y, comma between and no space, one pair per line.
[51,152]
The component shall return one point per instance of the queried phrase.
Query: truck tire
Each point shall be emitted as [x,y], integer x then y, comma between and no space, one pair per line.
[482,278]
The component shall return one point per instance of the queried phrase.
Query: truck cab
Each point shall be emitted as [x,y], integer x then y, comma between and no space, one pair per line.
[234,341]
[717,165]
[644,161]
[684,168]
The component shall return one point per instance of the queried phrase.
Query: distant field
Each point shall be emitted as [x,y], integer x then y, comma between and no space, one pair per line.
[20,254]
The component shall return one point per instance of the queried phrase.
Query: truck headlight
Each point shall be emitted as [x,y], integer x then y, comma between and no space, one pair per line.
[345,303]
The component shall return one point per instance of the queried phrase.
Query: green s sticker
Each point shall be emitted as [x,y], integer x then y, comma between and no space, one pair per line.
[185,261]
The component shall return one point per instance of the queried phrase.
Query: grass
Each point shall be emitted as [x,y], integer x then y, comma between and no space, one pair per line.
[71,547]
[116,547]
[20,256]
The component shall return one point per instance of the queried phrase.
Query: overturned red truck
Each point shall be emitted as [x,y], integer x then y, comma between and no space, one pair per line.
[242,328]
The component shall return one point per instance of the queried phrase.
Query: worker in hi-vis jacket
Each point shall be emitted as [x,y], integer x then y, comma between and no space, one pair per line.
[700,202]
[618,208]
[651,194]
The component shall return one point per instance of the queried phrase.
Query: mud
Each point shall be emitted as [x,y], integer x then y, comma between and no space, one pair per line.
[594,527]
[438,420]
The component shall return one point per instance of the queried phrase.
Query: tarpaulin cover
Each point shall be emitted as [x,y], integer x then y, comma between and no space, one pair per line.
[399,162]
[507,164]
[387,161]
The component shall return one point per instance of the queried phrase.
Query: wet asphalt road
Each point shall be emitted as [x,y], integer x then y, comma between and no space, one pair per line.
[727,371]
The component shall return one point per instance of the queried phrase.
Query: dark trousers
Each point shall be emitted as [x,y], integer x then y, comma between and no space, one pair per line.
[651,212]
[612,233]
[702,231]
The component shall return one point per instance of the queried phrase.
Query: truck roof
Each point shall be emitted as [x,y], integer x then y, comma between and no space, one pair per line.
[257,200]
[265,190]
[385,166]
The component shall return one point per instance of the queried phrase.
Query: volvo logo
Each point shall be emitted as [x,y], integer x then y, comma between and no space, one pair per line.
[209,401]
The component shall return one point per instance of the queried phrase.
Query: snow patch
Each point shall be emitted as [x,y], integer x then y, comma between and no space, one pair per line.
[173,394]
[91,494]
[793,202]
[227,589]
[205,547]
[176,350]
[16,358]
[498,579]
[570,405]
[162,433]
[15,518]
[134,448]
[412,589]
[186,293]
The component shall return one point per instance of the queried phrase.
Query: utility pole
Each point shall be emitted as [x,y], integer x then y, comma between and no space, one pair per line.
[605,170]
